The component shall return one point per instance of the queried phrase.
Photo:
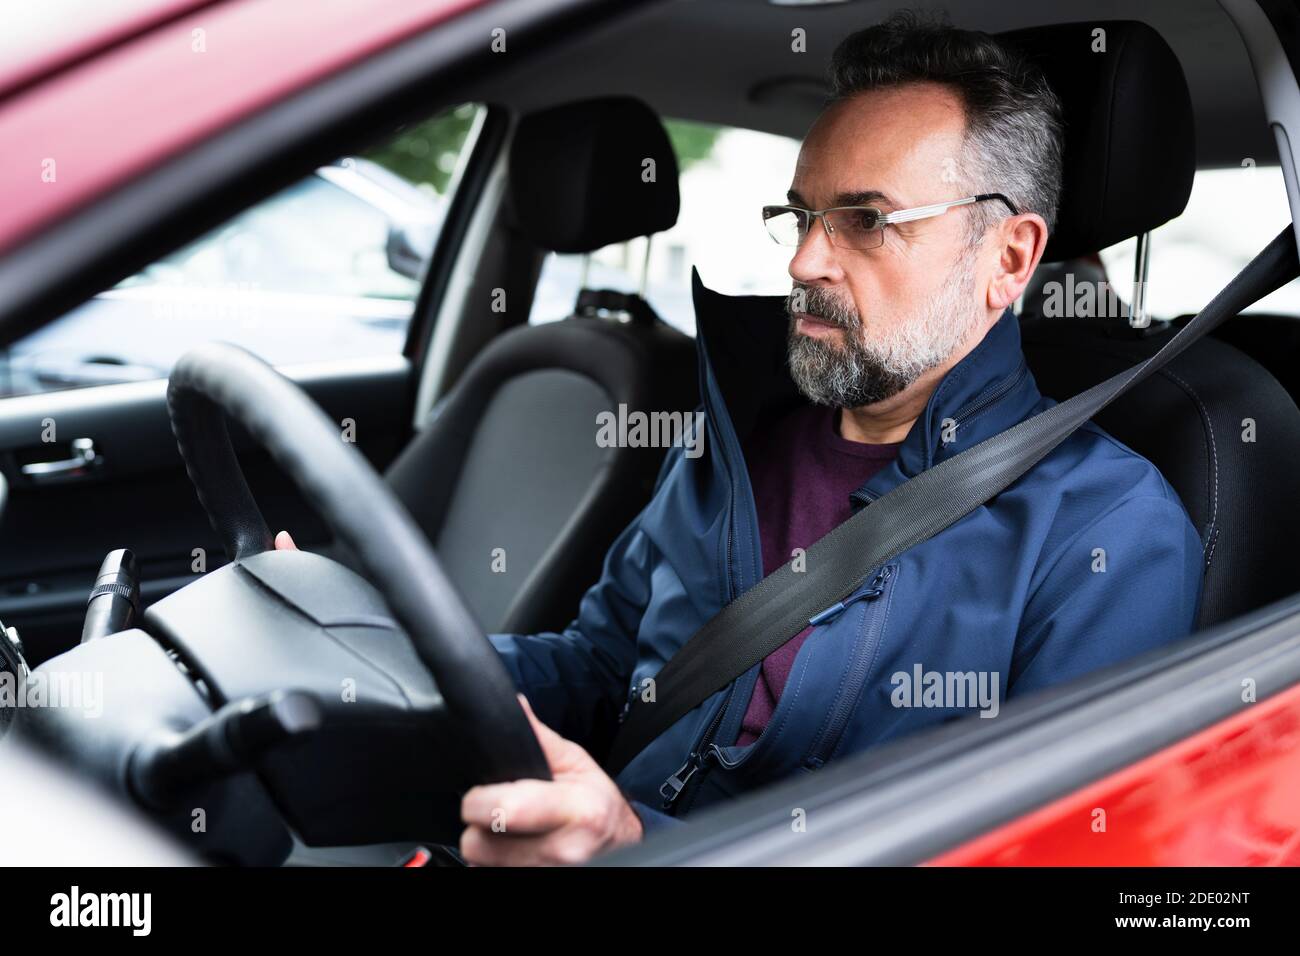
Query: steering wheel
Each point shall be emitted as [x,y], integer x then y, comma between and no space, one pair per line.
[218,380]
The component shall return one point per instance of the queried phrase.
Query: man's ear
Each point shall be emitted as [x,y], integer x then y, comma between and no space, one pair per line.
[1021,241]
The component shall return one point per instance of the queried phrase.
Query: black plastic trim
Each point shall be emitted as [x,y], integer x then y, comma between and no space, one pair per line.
[1284,17]
[460,213]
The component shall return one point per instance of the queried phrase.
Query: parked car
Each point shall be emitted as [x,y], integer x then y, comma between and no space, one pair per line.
[364,228]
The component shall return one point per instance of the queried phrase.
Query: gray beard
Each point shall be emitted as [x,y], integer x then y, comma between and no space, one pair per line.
[859,372]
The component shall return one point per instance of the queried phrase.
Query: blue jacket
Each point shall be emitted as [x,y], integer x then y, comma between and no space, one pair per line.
[1088,559]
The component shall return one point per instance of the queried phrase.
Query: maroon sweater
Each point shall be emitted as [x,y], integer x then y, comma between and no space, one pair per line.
[803,473]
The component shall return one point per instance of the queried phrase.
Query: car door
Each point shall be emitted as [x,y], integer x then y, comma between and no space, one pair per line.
[1185,756]
[321,279]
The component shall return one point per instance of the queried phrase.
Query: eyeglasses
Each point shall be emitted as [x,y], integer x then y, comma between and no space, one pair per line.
[856,227]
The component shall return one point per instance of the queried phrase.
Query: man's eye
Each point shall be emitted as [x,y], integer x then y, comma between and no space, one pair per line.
[858,221]
[865,220]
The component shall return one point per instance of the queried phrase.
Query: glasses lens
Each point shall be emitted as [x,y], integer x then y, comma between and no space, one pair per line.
[785,225]
[855,228]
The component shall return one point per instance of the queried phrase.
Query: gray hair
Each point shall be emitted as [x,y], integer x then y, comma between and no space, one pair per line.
[1014,128]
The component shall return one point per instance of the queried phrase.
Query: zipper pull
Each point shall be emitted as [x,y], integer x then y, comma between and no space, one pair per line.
[672,788]
[874,590]
[628,701]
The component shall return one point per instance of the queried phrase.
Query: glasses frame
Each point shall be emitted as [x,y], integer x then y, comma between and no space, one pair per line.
[886,218]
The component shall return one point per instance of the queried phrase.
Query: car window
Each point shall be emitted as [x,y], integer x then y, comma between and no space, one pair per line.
[1232,214]
[726,175]
[317,235]
[328,268]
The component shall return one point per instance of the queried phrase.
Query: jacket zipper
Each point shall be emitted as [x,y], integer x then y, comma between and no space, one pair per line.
[873,589]
[672,788]
[853,685]
[993,395]
[706,751]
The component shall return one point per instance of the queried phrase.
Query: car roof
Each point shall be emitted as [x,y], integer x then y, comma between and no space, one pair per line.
[41,39]
[153,88]
[730,62]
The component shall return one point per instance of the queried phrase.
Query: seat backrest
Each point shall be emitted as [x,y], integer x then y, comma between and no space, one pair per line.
[1220,429]
[1215,422]
[508,478]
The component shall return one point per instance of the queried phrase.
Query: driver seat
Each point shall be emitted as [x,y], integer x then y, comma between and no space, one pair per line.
[1128,168]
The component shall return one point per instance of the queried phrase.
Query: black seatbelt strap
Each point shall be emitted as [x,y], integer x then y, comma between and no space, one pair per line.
[773,611]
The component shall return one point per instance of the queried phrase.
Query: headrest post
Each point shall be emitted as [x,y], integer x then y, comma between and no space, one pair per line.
[582,275]
[1137,313]
[645,268]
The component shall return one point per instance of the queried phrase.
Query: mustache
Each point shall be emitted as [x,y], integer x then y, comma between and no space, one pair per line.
[823,304]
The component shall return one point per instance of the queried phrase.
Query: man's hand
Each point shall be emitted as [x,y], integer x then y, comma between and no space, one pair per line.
[284,543]
[568,819]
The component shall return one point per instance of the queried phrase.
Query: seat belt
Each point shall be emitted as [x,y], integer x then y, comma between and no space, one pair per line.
[773,611]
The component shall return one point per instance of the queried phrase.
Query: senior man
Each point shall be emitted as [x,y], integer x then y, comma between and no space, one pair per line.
[920,206]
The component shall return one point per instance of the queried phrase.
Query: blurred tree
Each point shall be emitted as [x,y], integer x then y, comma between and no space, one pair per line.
[427,152]
[692,142]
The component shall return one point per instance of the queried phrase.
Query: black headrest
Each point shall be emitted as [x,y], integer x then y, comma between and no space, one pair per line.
[1129,143]
[579,176]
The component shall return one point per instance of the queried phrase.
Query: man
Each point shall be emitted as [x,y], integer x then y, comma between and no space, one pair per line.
[900,350]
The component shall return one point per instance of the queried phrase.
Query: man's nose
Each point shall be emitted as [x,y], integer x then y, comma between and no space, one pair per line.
[815,258]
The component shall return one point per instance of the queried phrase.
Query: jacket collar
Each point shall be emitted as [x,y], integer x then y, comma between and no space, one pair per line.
[746,383]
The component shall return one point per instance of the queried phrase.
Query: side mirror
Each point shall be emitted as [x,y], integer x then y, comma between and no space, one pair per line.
[408,247]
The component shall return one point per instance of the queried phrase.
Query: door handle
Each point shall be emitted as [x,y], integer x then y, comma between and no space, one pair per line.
[84,459]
